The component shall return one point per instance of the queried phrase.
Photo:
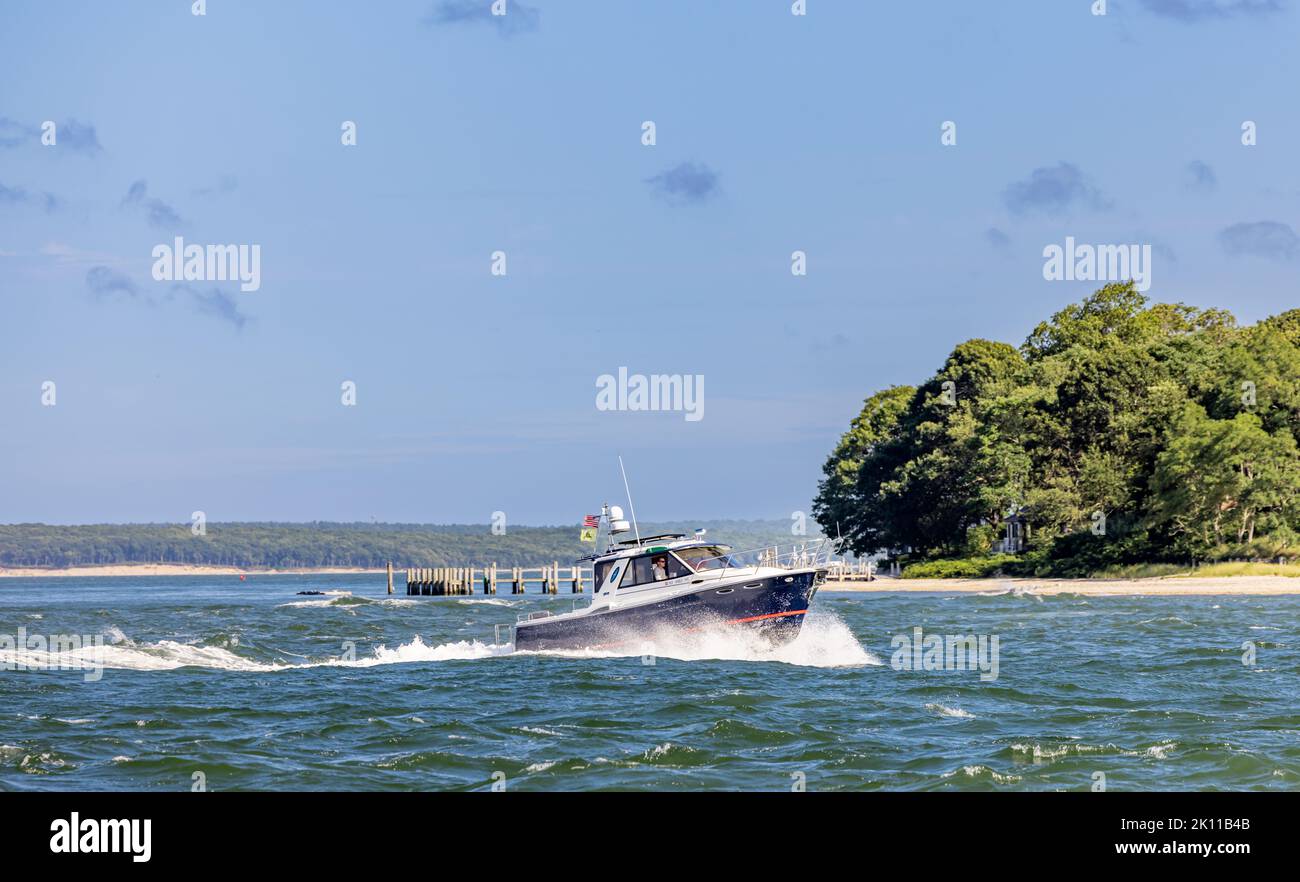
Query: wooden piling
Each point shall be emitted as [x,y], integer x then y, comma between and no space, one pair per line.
[454,581]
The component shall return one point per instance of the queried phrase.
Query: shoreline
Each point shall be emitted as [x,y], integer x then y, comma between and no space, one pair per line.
[176,570]
[1152,587]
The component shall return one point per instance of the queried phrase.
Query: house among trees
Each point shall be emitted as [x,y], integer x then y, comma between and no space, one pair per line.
[1015,533]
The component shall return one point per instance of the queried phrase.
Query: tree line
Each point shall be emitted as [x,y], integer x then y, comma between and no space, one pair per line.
[296,545]
[1119,432]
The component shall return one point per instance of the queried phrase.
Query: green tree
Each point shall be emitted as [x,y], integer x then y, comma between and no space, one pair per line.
[1219,482]
[1090,414]
[838,502]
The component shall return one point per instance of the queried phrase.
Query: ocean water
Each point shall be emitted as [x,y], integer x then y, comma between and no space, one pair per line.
[253,686]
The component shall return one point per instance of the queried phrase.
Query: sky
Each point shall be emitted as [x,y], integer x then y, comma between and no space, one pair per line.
[524,134]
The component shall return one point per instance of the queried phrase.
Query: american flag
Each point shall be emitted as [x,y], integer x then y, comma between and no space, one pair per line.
[590,521]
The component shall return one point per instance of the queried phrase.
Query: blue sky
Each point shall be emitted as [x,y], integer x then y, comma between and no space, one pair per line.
[475,392]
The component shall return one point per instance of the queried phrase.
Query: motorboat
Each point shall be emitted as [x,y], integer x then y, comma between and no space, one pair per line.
[649,587]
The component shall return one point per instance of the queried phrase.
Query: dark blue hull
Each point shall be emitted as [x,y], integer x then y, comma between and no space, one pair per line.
[775,607]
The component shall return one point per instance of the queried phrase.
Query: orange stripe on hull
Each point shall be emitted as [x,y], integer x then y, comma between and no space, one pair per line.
[793,612]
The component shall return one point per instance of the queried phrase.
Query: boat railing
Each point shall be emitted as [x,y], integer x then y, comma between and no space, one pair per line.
[814,553]
[547,613]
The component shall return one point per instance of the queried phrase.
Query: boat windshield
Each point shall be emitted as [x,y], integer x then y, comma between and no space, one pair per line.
[705,557]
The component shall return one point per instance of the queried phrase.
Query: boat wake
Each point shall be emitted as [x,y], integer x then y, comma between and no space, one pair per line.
[824,642]
[170,655]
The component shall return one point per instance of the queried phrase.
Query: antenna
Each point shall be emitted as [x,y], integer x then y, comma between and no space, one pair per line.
[630,506]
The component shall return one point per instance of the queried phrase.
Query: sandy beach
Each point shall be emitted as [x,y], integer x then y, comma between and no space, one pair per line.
[1094,587]
[169,570]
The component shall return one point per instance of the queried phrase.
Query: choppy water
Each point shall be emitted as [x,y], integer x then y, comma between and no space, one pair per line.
[252,685]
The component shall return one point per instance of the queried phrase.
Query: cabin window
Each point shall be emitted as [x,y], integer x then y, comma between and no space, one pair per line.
[638,572]
[650,568]
[677,569]
[601,571]
[706,557]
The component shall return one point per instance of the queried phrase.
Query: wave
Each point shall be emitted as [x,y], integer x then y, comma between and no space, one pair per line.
[1040,752]
[981,771]
[169,655]
[418,651]
[539,730]
[332,598]
[1028,591]
[945,711]
[824,641]
[668,753]
[347,599]
[1168,620]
